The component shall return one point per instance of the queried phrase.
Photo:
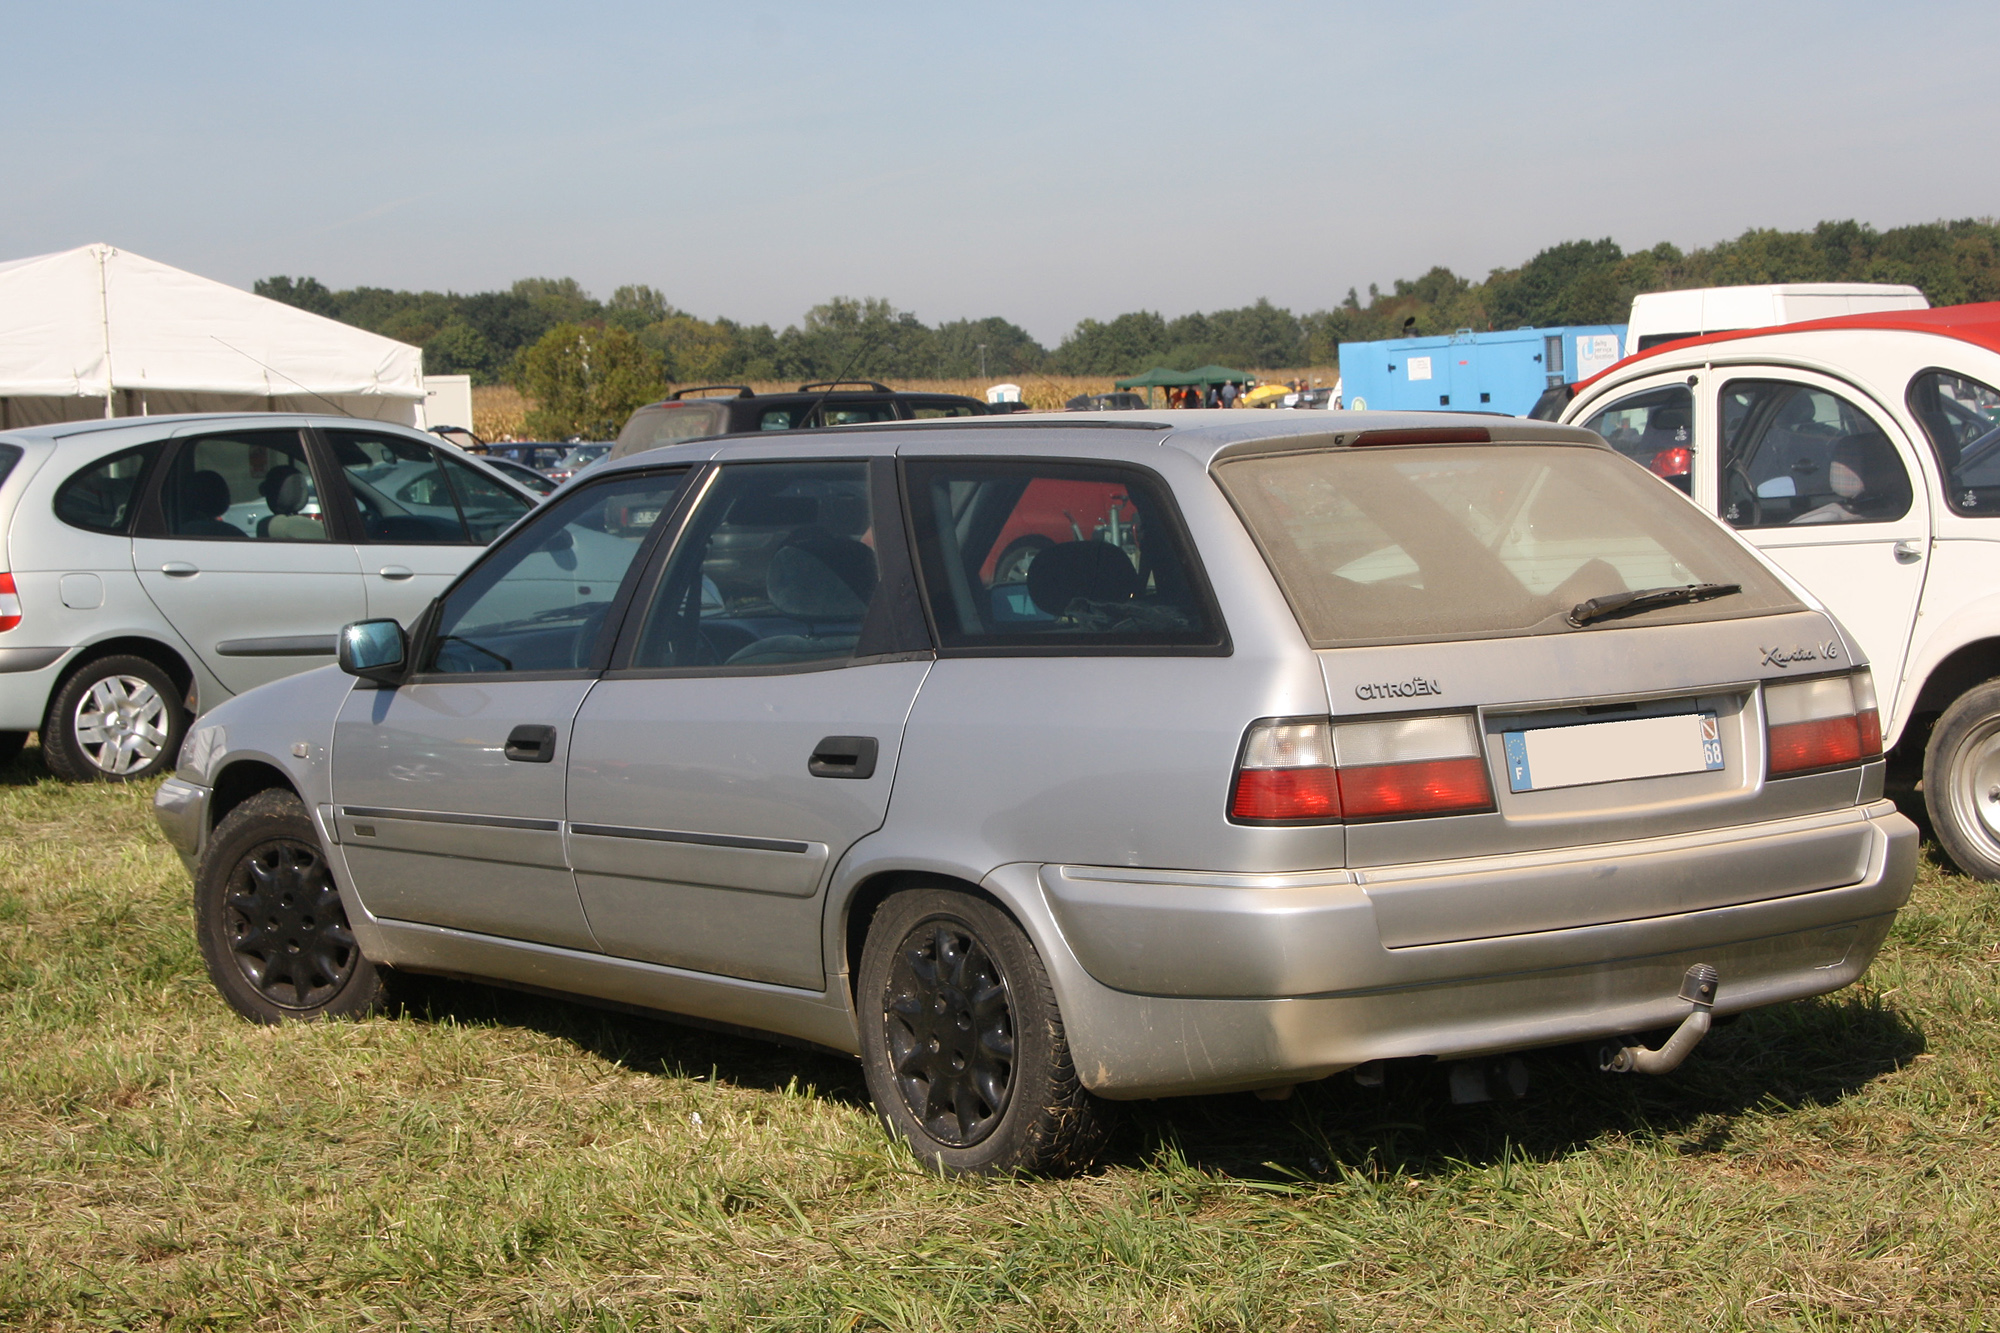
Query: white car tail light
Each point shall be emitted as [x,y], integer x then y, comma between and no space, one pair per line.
[1825,723]
[10,603]
[1313,771]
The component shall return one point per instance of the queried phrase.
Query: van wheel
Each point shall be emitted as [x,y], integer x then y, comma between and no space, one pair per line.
[962,1044]
[270,922]
[1962,781]
[117,719]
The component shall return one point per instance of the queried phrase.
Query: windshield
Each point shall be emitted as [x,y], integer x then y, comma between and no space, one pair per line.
[1400,545]
[671,423]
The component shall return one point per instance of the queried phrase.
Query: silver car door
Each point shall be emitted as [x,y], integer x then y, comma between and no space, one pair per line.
[235,549]
[449,788]
[749,736]
[423,515]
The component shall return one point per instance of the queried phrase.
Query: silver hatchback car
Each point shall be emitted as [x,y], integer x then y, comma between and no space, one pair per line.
[1043,763]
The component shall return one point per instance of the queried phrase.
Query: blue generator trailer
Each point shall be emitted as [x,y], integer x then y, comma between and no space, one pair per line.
[1503,371]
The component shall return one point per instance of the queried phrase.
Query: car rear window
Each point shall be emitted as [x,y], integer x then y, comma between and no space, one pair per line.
[656,427]
[1417,544]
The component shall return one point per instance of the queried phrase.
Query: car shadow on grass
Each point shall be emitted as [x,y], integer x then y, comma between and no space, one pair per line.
[25,769]
[662,1045]
[1788,1057]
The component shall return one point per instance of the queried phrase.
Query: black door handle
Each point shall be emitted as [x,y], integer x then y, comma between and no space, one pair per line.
[844,757]
[530,744]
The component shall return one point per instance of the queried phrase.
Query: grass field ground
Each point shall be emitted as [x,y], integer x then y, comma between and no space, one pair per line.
[499,410]
[490,1160]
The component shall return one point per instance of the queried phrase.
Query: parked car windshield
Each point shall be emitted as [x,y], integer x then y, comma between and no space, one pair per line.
[1401,545]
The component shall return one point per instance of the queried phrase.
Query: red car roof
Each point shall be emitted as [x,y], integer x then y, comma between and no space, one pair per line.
[1978,324]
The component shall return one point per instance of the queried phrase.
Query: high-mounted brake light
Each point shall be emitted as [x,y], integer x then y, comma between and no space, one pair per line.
[1312,771]
[1423,435]
[10,604]
[1830,722]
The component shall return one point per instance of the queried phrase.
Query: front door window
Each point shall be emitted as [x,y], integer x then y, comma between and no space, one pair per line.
[1797,454]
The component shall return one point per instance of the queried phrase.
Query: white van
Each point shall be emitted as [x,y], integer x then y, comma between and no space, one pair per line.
[1660,317]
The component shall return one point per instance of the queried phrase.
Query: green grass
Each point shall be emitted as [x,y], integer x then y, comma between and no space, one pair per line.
[495,1160]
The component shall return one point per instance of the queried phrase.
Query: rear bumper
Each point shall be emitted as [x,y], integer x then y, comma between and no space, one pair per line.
[1176,984]
[27,678]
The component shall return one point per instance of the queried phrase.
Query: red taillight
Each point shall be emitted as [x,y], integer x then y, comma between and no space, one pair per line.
[1825,723]
[10,604]
[1430,787]
[1265,794]
[1307,770]
[1674,462]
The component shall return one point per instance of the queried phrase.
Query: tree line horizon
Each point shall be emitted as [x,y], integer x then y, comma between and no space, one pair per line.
[488,335]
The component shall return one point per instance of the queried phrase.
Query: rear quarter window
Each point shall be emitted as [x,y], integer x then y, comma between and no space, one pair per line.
[103,497]
[1416,544]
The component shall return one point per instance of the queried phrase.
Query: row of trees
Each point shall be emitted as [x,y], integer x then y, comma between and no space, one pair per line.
[558,343]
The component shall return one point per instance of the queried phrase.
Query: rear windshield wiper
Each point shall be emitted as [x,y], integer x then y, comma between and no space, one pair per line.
[1646,599]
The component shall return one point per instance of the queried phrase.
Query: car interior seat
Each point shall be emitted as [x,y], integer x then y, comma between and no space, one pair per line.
[1091,570]
[823,580]
[203,499]
[284,490]
[1881,487]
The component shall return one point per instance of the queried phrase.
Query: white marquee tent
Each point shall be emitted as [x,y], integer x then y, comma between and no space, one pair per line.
[98,332]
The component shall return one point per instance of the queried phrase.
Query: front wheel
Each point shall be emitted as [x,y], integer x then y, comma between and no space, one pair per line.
[1962,781]
[962,1044]
[270,921]
[117,719]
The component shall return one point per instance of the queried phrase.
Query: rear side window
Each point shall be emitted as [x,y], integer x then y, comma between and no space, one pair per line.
[1056,557]
[253,485]
[1417,544]
[1654,429]
[101,498]
[924,409]
[1961,418]
[9,455]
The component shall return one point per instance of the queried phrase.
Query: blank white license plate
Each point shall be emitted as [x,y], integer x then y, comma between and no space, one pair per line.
[1642,747]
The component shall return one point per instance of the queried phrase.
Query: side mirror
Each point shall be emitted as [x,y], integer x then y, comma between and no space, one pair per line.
[374,650]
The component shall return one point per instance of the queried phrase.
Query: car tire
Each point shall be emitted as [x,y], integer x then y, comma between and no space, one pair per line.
[270,921]
[113,719]
[1012,566]
[11,745]
[962,1045]
[1962,781]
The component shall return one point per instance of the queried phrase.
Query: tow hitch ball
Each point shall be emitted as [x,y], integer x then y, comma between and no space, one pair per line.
[1698,989]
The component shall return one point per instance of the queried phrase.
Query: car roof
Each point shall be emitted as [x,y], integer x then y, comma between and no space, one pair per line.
[1977,323]
[58,430]
[1207,435]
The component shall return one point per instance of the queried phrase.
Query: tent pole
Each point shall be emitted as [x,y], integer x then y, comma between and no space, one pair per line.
[104,308]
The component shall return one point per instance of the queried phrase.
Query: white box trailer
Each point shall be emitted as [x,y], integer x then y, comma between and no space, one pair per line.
[1660,317]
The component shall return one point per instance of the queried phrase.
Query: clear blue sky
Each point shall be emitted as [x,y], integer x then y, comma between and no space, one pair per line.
[1038,162]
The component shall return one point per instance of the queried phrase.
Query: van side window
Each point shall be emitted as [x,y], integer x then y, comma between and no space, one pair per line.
[100,497]
[1055,557]
[1793,455]
[1961,418]
[1654,429]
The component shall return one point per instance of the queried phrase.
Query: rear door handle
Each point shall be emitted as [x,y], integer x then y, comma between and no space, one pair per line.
[179,569]
[396,572]
[530,744]
[844,757]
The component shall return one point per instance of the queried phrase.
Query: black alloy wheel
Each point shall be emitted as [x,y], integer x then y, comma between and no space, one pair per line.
[950,1032]
[287,931]
[270,921]
[962,1043]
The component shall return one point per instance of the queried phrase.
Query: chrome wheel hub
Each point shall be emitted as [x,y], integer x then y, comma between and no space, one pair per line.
[121,724]
[1975,784]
